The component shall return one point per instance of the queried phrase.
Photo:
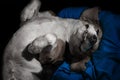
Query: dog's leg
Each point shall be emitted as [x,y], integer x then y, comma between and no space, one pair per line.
[48,55]
[79,66]
[30,10]
[19,69]
[41,42]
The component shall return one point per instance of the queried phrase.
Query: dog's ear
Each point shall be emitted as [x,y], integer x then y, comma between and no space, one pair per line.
[74,44]
[91,15]
[57,52]
[30,10]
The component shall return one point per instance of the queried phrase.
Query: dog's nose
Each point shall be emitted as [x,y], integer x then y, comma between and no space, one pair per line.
[93,39]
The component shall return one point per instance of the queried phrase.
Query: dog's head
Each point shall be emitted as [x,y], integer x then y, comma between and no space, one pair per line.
[85,39]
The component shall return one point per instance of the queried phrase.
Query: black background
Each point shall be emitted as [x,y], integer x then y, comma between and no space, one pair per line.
[11,9]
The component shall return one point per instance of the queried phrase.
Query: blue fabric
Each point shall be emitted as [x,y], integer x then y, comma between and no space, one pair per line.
[105,64]
[107,58]
[64,73]
[71,12]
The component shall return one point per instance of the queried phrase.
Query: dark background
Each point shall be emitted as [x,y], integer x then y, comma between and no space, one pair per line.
[11,9]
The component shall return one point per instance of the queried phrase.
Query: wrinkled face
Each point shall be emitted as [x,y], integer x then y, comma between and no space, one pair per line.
[89,38]
[85,39]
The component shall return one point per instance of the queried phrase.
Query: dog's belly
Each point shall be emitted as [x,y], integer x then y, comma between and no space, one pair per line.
[25,35]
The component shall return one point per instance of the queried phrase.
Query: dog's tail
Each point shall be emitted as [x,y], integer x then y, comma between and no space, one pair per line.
[30,10]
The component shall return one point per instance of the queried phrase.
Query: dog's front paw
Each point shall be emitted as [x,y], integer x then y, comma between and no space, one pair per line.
[79,66]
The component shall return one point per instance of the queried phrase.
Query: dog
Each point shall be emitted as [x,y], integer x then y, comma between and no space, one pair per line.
[44,35]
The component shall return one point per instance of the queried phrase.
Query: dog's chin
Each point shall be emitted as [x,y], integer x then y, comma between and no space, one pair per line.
[86,48]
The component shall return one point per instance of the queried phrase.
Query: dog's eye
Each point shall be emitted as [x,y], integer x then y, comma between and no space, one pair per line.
[85,34]
[87,26]
[97,31]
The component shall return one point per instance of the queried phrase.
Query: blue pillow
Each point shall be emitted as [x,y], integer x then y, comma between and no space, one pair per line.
[71,12]
[106,59]
[105,64]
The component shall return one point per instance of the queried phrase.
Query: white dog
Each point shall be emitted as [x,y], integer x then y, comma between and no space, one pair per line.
[39,31]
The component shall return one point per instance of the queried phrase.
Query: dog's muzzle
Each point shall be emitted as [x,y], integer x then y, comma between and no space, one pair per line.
[93,39]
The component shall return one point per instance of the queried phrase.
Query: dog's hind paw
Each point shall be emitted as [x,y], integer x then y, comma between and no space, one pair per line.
[30,10]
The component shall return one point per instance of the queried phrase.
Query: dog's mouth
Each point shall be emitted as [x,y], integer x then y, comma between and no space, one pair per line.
[85,48]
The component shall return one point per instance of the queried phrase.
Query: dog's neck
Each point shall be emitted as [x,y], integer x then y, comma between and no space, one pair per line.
[70,26]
